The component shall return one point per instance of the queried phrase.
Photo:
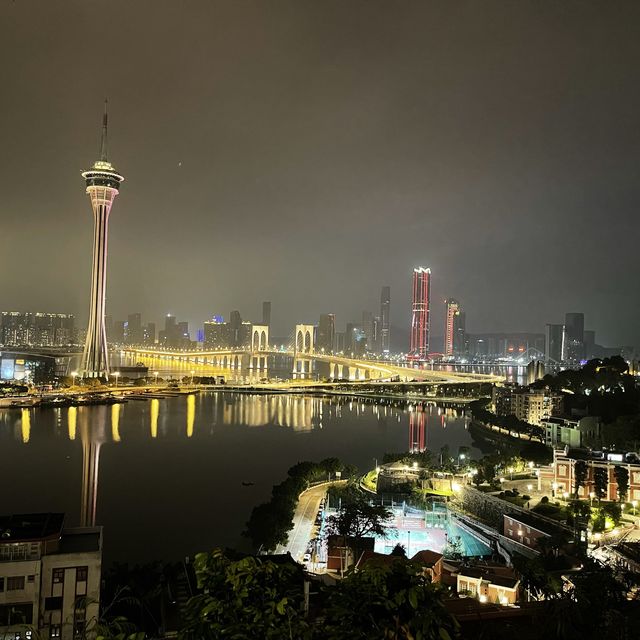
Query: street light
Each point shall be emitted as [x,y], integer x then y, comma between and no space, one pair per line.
[192,378]
[155,373]
[116,375]
[74,375]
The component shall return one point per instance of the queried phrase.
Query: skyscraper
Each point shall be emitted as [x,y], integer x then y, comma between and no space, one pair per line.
[369,330]
[385,309]
[452,310]
[554,343]
[326,333]
[103,183]
[574,337]
[419,347]
[134,329]
[266,314]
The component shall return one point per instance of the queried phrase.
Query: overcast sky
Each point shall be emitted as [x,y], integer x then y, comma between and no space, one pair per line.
[308,153]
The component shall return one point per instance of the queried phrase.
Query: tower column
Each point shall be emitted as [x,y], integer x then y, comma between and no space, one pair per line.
[102,182]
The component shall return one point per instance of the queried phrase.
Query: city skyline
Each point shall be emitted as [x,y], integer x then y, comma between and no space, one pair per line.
[245,198]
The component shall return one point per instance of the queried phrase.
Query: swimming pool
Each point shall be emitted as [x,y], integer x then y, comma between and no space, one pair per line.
[431,530]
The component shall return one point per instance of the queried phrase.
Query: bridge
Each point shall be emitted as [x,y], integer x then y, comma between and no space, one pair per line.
[340,367]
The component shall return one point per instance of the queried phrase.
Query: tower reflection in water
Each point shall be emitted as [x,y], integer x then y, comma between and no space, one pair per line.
[96,426]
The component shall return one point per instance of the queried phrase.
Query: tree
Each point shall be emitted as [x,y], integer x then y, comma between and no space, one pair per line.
[580,476]
[387,602]
[622,480]
[453,550]
[246,598]
[399,551]
[269,525]
[359,519]
[600,482]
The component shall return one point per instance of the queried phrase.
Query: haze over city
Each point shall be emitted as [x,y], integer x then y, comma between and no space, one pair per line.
[309,153]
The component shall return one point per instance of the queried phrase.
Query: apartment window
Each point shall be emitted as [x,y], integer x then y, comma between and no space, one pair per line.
[31,578]
[15,583]
[54,631]
[79,622]
[81,574]
[53,603]
[2,584]
[58,576]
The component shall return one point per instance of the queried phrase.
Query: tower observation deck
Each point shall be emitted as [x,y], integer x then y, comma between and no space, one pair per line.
[103,182]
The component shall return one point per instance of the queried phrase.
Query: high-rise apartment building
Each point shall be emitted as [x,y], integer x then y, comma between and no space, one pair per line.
[453,329]
[326,339]
[133,329]
[217,335]
[369,330]
[266,314]
[385,326]
[574,337]
[149,333]
[419,346]
[554,343]
[41,329]
[355,340]
[175,334]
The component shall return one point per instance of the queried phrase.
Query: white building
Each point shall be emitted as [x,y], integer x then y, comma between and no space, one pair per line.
[534,405]
[49,577]
[571,432]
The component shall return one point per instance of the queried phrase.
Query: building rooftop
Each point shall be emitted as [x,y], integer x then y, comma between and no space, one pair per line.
[502,576]
[30,526]
[427,558]
[81,540]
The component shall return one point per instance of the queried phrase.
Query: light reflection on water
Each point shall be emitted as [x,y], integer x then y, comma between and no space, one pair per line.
[165,476]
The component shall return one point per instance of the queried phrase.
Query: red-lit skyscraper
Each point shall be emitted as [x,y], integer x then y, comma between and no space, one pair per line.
[419,347]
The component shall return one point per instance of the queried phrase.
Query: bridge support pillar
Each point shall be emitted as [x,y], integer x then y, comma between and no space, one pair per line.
[302,368]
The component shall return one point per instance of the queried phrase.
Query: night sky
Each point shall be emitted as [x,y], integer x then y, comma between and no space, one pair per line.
[308,153]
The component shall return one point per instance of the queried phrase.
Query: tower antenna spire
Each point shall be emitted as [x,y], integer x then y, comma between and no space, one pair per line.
[103,142]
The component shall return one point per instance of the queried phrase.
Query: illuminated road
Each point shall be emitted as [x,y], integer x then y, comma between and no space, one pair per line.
[303,522]
[354,370]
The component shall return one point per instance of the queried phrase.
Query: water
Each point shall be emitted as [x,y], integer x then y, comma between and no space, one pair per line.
[171,471]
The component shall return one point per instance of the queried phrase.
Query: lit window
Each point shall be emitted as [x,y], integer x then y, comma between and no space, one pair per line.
[58,576]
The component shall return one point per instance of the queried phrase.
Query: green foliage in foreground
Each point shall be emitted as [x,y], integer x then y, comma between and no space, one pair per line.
[258,598]
[248,598]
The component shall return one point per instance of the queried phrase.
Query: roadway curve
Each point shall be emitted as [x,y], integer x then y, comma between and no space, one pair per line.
[304,521]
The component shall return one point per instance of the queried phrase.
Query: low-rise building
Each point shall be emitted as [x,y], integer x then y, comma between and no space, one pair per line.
[562,477]
[49,576]
[345,551]
[571,432]
[490,583]
[522,529]
[431,561]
